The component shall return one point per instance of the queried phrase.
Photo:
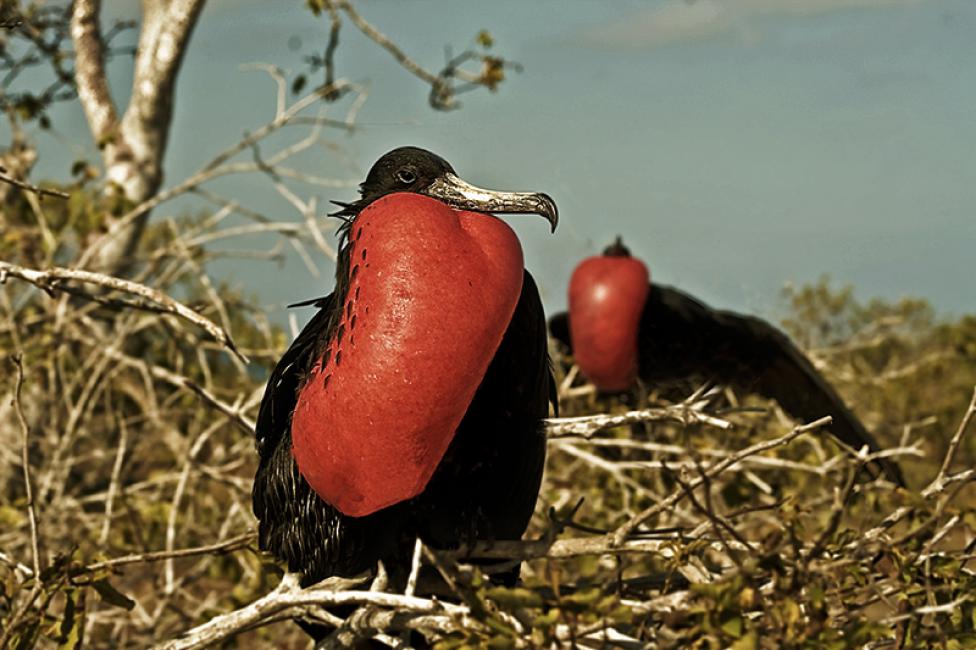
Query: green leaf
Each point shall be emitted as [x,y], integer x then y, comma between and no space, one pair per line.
[78,166]
[733,626]
[816,594]
[500,643]
[315,6]
[484,38]
[546,620]
[582,600]
[749,642]
[113,596]
[791,611]
[516,597]
[68,628]
[29,636]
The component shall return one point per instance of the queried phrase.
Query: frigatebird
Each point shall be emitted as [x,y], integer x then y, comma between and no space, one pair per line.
[622,327]
[411,404]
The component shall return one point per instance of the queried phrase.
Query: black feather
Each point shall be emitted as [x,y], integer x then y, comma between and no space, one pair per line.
[682,339]
[318,302]
[484,488]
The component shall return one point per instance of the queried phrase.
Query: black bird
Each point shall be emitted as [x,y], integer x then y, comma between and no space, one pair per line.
[680,339]
[486,482]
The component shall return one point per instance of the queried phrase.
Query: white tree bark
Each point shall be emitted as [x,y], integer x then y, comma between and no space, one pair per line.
[132,147]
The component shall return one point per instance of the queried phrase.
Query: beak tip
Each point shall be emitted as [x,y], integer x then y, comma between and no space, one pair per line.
[549,211]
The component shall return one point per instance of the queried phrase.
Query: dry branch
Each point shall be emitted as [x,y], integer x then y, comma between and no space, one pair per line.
[587,425]
[939,481]
[288,597]
[219,166]
[51,279]
[31,512]
[631,526]
[27,187]
[226,546]
[569,548]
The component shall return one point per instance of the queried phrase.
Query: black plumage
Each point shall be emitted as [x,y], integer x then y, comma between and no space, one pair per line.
[681,339]
[486,485]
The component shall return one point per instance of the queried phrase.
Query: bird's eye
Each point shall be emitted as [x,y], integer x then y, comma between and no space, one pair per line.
[406,176]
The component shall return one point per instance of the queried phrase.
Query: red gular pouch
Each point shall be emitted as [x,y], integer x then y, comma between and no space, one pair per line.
[607,294]
[431,293]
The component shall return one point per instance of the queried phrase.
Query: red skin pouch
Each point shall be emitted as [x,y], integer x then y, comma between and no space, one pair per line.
[607,294]
[431,293]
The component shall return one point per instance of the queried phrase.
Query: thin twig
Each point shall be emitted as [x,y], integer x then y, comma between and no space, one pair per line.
[50,280]
[954,445]
[630,526]
[27,187]
[384,41]
[35,591]
[226,546]
[25,463]
[588,425]
[415,563]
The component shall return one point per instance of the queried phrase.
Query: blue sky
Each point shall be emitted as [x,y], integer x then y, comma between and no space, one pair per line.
[736,144]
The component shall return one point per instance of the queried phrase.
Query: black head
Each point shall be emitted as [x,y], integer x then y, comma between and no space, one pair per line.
[412,169]
[617,248]
[406,169]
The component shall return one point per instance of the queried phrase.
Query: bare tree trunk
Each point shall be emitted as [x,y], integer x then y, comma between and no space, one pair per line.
[133,147]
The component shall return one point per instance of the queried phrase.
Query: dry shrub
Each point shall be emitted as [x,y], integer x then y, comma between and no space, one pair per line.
[708,522]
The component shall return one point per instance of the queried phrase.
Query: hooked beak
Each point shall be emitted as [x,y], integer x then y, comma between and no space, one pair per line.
[464,196]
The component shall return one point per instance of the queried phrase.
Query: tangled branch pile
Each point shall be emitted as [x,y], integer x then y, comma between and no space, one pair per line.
[705,522]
